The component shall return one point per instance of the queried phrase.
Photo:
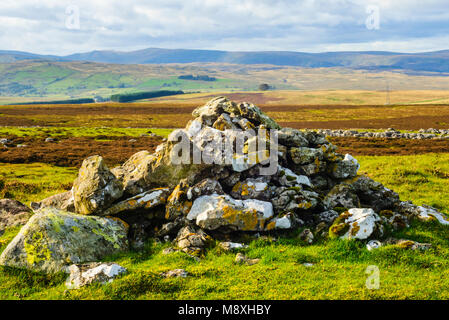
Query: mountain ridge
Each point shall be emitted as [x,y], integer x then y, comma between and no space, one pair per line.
[434,61]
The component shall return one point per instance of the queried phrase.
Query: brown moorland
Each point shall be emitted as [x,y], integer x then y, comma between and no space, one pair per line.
[172,115]
[72,151]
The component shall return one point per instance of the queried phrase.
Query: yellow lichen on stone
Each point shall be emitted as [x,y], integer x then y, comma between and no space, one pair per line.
[271,225]
[355,229]
[305,205]
[36,249]
[248,219]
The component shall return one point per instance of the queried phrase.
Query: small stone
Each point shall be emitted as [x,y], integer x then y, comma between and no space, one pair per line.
[306,236]
[176,273]
[308,265]
[168,251]
[242,259]
[85,274]
[229,246]
[373,244]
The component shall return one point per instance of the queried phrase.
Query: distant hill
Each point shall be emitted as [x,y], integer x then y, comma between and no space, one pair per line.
[437,61]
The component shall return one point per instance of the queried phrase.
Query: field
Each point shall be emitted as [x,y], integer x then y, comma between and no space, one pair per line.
[417,170]
[35,80]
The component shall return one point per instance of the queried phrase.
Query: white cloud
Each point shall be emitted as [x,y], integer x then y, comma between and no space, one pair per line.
[309,25]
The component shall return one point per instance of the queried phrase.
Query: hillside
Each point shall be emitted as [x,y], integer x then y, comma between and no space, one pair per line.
[437,61]
[34,80]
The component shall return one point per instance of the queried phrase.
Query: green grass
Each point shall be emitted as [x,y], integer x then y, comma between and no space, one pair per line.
[65,132]
[34,182]
[423,178]
[338,271]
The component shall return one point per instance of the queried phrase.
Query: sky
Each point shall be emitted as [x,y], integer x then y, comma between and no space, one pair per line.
[63,27]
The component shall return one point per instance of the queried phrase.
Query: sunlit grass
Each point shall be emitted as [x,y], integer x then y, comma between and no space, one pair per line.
[338,270]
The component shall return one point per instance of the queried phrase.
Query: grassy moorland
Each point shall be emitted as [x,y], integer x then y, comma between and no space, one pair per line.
[338,270]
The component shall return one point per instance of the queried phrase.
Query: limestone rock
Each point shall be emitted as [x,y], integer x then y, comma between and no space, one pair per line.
[288,178]
[96,188]
[327,217]
[342,195]
[346,168]
[240,258]
[295,199]
[222,211]
[176,273]
[204,187]
[63,201]
[307,236]
[292,138]
[305,155]
[230,246]
[427,213]
[13,213]
[192,240]
[135,173]
[409,244]
[85,274]
[373,194]
[178,204]
[144,201]
[54,239]
[252,188]
[356,223]
[281,223]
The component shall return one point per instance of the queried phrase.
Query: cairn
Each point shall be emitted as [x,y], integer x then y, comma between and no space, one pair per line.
[198,186]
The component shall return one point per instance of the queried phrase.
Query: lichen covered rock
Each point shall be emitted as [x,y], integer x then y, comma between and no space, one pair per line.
[142,202]
[96,188]
[192,240]
[346,168]
[53,239]
[63,201]
[222,211]
[84,274]
[357,223]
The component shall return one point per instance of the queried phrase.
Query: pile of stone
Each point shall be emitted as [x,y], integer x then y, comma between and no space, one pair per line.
[423,134]
[194,203]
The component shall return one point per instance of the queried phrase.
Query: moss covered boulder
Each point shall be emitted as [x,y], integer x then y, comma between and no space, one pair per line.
[53,239]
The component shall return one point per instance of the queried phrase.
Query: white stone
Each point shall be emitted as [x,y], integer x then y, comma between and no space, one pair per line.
[194,127]
[283,223]
[350,158]
[299,179]
[373,244]
[365,219]
[102,273]
[425,214]
[209,207]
